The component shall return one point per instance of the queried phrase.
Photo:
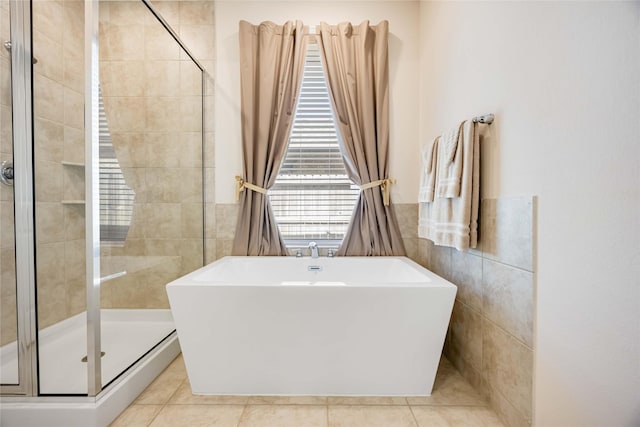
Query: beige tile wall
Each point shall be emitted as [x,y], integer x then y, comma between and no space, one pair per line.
[155,103]
[58,45]
[194,22]
[152,95]
[407,215]
[225,220]
[226,216]
[490,337]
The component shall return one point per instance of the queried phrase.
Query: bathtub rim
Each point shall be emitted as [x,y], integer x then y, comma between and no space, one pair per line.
[434,280]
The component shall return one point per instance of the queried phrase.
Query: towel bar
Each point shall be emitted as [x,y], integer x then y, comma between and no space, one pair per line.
[485,118]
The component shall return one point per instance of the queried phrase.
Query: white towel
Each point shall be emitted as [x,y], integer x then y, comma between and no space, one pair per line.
[450,163]
[453,221]
[428,172]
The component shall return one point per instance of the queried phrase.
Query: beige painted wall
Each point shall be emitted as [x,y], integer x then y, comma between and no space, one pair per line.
[564,82]
[403,53]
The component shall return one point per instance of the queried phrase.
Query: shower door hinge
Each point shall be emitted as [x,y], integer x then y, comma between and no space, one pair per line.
[7,45]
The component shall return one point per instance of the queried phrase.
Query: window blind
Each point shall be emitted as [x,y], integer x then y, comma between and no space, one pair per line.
[313,198]
[116,198]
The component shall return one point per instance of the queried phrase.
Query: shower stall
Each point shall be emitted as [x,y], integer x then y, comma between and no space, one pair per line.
[101,203]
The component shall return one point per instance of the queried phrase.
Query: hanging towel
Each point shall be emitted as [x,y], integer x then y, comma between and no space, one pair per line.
[425,224]
[453,221]
[449,163]
[429,172]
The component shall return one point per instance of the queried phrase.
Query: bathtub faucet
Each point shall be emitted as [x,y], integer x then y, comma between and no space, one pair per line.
[314,249]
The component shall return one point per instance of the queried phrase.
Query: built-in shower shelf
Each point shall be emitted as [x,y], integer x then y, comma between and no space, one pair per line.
[76,164]
[73,202]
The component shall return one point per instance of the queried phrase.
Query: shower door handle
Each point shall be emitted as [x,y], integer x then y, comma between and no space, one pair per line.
[6,173]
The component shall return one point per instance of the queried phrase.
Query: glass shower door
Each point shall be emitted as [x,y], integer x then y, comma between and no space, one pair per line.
[17,338]
[8,301]
[59,186]
[151,190]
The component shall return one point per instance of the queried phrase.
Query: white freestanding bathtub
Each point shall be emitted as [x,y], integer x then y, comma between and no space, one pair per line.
[347,326]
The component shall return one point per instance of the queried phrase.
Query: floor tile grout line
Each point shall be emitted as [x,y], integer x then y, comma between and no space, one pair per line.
[166,403]
[327,412]
[156,415]
[210,404]
[176,391]
[415,420]
[298,404]
[244,409]
[449,405]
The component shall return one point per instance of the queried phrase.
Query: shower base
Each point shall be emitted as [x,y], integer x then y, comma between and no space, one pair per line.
[127,335]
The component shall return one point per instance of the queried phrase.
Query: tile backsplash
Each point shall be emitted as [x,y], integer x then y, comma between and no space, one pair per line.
[223,218]
[407,215]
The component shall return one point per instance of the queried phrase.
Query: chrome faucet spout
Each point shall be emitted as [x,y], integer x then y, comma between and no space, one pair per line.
[313,246]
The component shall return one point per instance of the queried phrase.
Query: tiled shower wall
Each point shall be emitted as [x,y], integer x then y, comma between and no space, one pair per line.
[194,22]
[58,132]
[152,98]
[59,137]
[58,93]
[58,32]
[167,78]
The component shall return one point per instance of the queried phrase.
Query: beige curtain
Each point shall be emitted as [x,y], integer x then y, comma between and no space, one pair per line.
[356,60]
[271,65]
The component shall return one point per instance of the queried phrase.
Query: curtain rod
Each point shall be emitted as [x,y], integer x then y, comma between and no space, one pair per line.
[485,118]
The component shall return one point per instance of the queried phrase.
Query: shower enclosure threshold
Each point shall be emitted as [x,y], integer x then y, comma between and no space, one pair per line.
[126,336]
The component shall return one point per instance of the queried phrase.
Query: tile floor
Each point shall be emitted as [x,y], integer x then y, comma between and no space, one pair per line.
[168,402]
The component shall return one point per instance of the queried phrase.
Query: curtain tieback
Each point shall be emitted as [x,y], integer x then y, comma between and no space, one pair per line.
[385,185]
[241,185]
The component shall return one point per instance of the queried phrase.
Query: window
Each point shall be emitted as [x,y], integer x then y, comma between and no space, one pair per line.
[313,198]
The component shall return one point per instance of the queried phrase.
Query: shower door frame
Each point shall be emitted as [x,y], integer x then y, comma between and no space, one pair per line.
[23,199]
[92,194]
